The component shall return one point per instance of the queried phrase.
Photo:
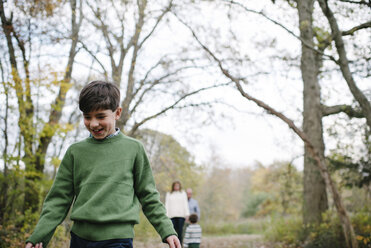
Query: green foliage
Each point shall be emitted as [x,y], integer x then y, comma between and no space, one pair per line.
[323,37]
[17,224]
[61,237]
[285,230]
[220,194]
[274,189]
[327,234]
[11,237]
[352,173]
[254,203]
[169,160]
[290,232]
[15,231]
[11,197]
[362,227]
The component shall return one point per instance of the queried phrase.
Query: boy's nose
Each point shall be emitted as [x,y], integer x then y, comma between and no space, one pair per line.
[94,123]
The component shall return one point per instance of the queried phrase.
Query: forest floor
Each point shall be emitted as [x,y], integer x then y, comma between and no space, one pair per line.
[230,241]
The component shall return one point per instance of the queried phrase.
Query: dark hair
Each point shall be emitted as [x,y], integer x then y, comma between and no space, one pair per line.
[193,218]
[172,186]
[99,95]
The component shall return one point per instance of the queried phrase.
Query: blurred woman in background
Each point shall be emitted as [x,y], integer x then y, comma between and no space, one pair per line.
[177,209]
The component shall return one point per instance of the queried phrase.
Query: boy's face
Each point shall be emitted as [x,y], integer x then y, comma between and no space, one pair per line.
[101,123]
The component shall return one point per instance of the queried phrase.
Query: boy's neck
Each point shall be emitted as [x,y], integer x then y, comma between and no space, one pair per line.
[108,136]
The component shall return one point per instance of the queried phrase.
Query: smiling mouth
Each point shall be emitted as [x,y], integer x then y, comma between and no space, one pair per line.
[99,131]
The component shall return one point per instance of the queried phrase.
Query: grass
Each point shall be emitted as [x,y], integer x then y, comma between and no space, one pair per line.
[244,226]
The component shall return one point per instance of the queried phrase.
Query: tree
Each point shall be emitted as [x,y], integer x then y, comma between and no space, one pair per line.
[343,62]
[169,160]
[276,188]
[311,62]
[21,40]
[150,76]
[315,196]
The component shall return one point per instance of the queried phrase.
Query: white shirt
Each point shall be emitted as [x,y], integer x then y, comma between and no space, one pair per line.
[176,204]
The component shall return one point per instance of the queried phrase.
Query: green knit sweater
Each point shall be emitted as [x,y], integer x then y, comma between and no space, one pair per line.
[106,181]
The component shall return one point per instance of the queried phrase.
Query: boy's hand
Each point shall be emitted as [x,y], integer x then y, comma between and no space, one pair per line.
[30,245]
[173,241]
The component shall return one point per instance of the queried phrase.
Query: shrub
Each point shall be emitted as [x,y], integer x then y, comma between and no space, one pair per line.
[286,230]
[290,232]
[327,234]
[362,227]
[254,203]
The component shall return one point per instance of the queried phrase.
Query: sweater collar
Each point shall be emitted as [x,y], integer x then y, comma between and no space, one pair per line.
[109,139]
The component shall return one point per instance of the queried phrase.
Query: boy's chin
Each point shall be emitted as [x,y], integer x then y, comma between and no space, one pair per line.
[98,137]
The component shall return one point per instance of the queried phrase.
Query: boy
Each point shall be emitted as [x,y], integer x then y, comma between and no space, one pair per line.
[106,176]
[193,233]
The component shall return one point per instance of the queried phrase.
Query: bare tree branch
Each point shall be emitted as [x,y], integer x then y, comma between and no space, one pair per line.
[131,81]
[356,28]
[105,32]
[347,109]
[172,106]
[92,54]
[153,84]
[362,2]
[167,9]
[144,80]
[56,112]
[344,63]
[346,224]
[282,26]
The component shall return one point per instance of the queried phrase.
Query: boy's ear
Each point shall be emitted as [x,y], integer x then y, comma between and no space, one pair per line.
[118,113]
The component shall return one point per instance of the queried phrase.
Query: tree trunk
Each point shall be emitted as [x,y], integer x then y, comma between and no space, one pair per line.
[5,184]
[315,196]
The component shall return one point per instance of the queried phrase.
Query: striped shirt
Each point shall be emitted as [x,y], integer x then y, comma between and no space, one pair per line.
[192,235]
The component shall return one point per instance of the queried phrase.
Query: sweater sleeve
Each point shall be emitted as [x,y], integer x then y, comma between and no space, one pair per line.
[56,204]
[145,190]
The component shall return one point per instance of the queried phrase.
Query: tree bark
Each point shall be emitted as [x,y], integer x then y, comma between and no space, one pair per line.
[315,196]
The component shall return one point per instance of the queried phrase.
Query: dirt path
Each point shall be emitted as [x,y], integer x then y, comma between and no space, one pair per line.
[230,241]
